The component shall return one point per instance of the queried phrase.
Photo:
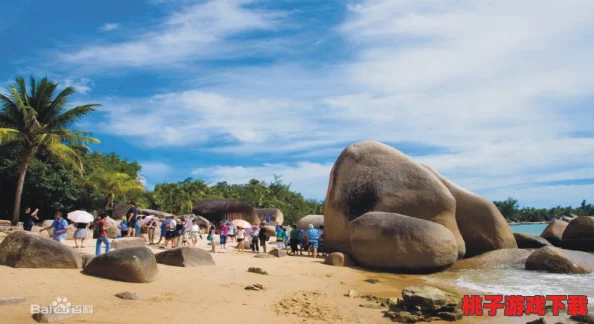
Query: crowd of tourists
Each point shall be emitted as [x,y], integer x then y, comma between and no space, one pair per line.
[186,231]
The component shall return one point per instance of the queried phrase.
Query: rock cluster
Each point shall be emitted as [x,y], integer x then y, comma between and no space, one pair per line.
[425,304]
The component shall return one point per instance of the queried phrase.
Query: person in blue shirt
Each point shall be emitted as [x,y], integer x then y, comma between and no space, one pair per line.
[60,226]
[312,236]
[124,227]
[164,230]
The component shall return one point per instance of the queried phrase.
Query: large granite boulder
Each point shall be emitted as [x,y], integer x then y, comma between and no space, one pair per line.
[137,264]
[527,241]
[554,232]
[482,226]
[406,244]
[27,250]
[556,260]
[37,230]
[269,231]
[498,259]
[47,223]
[216,210]
[128,242]
[276,214]
[120,210]
[371,176]
[185,257]
[579,234]
[315,220]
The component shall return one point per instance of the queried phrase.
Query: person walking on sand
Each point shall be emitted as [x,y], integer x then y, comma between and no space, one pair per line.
[280,239]
[294,240]
[194,232]
[224,233]
[80,233]
[132,219]
[210,237]
[312,238]
[60,226]
[321,241]
[101,227]
[163,236]
[262,236]
[240,239]
[254,234]
[151,233]
[28,224]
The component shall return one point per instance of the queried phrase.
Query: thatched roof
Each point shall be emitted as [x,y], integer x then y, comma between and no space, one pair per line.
[277,215]
[216,210]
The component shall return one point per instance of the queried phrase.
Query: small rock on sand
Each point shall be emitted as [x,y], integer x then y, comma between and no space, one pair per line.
[278,253]
[352,293]
[130,295]
[50,318]
[257,270]
[256,287]
[11,300]
[589,318]
[538,321]
[264,256]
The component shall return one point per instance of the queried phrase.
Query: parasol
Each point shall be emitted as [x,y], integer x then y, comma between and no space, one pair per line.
[145,220]
[80,216]
[241,223]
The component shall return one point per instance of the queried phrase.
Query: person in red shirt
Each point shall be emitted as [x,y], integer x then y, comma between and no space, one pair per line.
[101,227]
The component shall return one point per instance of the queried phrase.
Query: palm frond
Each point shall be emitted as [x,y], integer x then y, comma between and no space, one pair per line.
[9,135]
[72,115]
[22,91]
[65,154]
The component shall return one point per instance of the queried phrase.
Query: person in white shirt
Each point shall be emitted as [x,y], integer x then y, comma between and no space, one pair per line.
[170,232]
[194,232]
[240,238]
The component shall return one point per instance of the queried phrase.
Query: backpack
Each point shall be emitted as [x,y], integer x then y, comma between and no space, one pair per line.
[97,230]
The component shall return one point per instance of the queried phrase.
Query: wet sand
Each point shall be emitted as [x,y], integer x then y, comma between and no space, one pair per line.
[297,290]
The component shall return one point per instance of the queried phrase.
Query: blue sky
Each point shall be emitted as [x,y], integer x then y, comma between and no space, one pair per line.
[495,95]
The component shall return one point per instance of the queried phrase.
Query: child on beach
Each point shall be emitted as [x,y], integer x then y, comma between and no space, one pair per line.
[240,239]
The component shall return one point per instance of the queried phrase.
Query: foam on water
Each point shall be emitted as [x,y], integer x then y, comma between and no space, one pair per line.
[527,283]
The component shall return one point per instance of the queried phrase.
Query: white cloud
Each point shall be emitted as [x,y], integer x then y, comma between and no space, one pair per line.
[195,32]
[109,27]
[497,89]
[81,85]
[155,169]
[309,178]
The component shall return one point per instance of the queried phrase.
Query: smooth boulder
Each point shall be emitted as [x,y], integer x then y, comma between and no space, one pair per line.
[276,215]
[371,176]
[480,222]
[128,242]
[137,264]
[579,234]
[556,260]
[216,210]
[185,256]
[27,250]
[269,231]
[338,259]
[278,253]
[554,231]
[406,244]
[498,259]
[527,241]
[315,220]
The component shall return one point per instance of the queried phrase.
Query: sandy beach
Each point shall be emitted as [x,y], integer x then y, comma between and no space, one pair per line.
[297,290]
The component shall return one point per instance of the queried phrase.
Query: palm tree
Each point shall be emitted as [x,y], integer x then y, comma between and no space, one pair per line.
[37,119]
[113,184]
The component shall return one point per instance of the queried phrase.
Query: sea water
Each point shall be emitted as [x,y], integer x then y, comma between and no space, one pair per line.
[534,229]
[522,282]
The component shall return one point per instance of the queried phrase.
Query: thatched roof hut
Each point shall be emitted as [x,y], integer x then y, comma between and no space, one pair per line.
[216,210]
[275,214]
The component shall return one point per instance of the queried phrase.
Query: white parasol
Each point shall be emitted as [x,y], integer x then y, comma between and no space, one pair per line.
[80,216]
[145,220]
[241,223]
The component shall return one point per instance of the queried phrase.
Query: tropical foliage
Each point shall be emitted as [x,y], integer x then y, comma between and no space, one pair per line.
[512,211]
[38,119]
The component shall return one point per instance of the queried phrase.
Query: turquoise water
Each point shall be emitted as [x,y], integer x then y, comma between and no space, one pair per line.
[534,229]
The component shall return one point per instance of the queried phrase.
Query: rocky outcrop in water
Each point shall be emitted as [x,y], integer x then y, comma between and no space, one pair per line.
[425,304]
[554,232]
[527,241]
[556,260]
[498,259]
[579,234]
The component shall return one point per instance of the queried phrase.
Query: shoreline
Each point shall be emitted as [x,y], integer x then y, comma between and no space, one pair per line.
[527,223]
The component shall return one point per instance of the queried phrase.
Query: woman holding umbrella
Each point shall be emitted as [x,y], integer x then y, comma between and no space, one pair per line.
[81,221]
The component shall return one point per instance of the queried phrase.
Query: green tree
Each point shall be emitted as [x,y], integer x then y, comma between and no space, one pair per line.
[37,118]
[113,184]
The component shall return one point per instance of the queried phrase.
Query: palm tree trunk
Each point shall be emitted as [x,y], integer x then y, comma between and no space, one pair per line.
[20,184]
